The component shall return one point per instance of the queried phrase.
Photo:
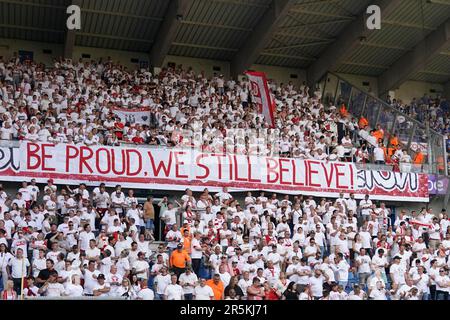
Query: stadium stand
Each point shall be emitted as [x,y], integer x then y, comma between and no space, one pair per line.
[368,222]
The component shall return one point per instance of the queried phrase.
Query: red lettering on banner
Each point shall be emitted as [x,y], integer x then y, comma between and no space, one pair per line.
[281,160]
[46,156]
[70,156]
[230,160]
[340,174]
[33,154]
[179,163]
[272,169]
[219,165]
[328,177]
[99,160]
[161,165]
[351,177]
[249,165]
[201,165]
[113,162]
[138,170]
[310,173]
[84,158]
[294,174]
[236,169]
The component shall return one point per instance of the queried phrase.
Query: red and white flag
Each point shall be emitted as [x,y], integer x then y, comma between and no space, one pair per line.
[261,96]
[421,224]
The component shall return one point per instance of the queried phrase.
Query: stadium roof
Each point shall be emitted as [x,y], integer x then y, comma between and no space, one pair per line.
[316,35]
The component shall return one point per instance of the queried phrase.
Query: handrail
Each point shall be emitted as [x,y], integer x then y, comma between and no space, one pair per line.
[407,117]
[433,135]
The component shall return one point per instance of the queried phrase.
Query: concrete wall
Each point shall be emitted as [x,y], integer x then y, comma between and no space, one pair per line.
[279,74]
[8,47]
[359,82]
[447,90]
[124,57]
[282,75]
[416,89]
[199,65]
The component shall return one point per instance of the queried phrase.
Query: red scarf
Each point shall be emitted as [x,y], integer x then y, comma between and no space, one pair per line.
[5,295]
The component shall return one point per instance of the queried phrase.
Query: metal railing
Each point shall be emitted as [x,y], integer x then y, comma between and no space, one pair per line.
[412,134]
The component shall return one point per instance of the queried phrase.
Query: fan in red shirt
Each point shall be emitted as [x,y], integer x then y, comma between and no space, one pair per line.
[271,293]
[137,139]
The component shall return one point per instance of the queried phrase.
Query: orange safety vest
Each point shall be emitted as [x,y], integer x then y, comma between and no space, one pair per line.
[394,141]
[418,159]
[378,134]
[343,111]
[363,123]
[187,244]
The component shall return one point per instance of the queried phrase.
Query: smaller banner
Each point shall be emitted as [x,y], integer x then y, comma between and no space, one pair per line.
[437,185]
[261,96]
[133,116]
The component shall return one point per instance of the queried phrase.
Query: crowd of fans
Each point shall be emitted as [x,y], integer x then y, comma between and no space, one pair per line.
[59,241]
[73,102]
[65,242]
[434,112]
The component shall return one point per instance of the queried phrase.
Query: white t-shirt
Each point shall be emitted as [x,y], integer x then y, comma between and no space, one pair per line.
[170,215]
[54,290]
[364,264]
[89,281]
[196,254]
[173,292]
[378,154]
[188,279]
[19,267]
[73,290]
[203,293]
[161,283]
[316,285]
[146,294]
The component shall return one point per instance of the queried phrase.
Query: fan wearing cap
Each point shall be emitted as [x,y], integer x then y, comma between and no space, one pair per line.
[102,288]
[140,267]
[179,260]
[397,273]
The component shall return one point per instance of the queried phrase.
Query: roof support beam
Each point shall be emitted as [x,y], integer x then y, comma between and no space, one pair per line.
[368,65]
[71,36]
[313,2]
[303,36]
[200,46]
[406,25]
[213,25]
[321,14]
[280,55]
[11,26]
[383,46]
[261,36]
[254,4]
[300,45]
[415,60]
[347,42]
[176,11]
[315,24]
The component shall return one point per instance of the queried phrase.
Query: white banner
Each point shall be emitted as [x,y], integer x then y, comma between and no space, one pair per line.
[135,115]
[178,169]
